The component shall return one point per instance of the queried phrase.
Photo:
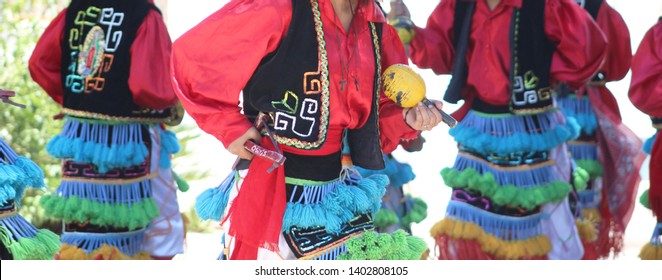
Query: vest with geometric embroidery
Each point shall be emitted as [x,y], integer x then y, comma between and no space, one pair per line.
[292,85]
[96,59]
[531,54]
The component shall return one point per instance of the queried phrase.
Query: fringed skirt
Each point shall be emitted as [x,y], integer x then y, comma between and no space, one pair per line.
[20,239]
[105,196]
[510,182]
[325,219]
[399,210]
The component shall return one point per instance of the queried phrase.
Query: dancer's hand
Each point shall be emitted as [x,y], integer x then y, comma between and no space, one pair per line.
[398,9]
[422,117]
[237,147]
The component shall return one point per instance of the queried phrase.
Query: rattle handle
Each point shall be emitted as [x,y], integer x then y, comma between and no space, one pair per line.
[446,118]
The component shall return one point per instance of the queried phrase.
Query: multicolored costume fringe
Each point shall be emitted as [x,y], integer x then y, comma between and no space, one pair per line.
[508,167]
[326,220]
[604,144]
[652,250]
[105,197]
[20,239]
[399,210]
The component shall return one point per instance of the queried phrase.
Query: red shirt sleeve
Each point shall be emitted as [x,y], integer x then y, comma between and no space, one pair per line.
[619,51]
[46,59]
[432,47]
[149,79]
[212,62]
[392,125]
[646,86]
[581,46]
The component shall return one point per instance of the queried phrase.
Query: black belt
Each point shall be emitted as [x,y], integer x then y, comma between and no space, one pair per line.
[484,107]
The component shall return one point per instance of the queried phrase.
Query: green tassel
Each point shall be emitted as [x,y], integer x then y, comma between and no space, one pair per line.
[43,246]
[385,218]
[580,178]
[373,246]
[593,167]
[75,209]
[417,213]
[528,198]
[181,183]
[643,199]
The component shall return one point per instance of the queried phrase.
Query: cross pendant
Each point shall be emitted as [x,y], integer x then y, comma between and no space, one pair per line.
[342,84]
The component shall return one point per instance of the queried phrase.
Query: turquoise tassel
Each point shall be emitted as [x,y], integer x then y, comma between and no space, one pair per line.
[211,204]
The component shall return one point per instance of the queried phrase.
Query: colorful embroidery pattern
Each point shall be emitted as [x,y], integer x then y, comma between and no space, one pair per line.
[312,82]
[92,53]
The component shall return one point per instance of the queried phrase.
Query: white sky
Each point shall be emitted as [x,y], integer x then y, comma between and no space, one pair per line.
[440,149]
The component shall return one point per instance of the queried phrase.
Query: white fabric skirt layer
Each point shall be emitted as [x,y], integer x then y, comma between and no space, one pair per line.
[165,234]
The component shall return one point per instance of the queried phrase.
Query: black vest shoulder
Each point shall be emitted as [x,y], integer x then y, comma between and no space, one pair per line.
[96,59]
[531,55]
[591,6]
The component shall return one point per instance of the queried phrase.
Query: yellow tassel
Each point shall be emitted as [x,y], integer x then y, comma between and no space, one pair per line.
[105,252]
[592,214]
[68,252]
[587,230]
[651,252]
[503,249]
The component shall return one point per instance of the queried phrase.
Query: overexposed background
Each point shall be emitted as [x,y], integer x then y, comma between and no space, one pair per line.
[439,150]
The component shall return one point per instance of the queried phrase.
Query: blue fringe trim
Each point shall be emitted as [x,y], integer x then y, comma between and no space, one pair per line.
[504,134]
[581,110]
[10,178]
[169,146]
[583,151]
[503,227]
[337,204]
[107,146]
[106,193]
[648,144]
[16,174]
[128,243]
[656,239]
[18,227]
[211,204]
[332,254]
[531,177]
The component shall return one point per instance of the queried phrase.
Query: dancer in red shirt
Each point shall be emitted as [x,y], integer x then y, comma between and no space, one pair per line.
[646,94]
[107,64]
[606,148]
[311,70]
[511,177]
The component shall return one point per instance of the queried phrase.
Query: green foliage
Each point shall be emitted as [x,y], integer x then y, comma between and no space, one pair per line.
[195,224]
[185,134]
[27,130]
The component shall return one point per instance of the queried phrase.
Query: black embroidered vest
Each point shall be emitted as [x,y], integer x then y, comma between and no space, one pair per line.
[531,57]
[291,85]
[96,59]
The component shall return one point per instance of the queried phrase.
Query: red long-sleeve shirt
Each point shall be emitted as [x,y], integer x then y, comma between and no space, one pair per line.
[213,61]
[646,86]
[581,46]
[619,52]
[149,79]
